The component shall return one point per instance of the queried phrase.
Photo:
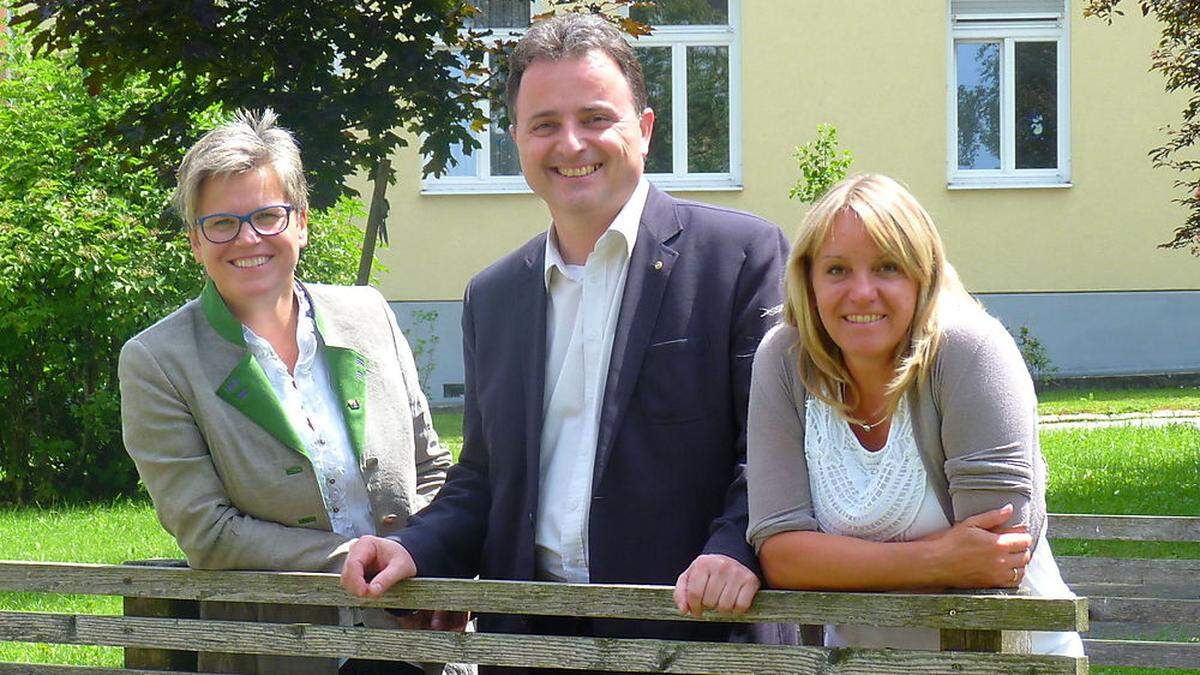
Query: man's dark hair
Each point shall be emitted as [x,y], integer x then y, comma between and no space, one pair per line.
[570,36]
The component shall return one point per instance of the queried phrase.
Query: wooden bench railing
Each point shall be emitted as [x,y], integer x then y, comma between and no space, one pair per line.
[976,629]
[1135,600]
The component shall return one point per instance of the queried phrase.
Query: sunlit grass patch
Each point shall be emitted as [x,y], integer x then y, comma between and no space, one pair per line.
[1115,401]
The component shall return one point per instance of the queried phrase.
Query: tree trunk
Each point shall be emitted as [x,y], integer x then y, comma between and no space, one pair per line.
[375,220]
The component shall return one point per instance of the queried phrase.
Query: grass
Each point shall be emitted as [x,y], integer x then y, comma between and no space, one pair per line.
[449,428]
[1114,401]
[102,533]
[1114,470]
[1124,470]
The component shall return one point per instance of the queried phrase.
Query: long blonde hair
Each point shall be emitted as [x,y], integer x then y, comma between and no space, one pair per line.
[903,230]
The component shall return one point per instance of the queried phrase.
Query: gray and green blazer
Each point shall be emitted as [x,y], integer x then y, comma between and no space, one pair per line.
[229,476]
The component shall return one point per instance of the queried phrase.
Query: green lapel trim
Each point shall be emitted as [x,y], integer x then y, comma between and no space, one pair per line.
[248,389]
[348,371]
[348,375]
[219,316]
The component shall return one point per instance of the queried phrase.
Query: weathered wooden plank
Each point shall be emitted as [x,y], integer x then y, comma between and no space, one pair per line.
[1124,528]
[966,611]
[1183,589]
[1145,610]
[161,659]
[1127,571]
[1143,654]
[507,650]
[1155,632]
[61,669]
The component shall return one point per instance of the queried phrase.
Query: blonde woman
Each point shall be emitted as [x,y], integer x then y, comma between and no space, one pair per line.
[893,427]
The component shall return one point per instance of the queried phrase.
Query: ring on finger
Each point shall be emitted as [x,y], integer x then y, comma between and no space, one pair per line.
[1016,575]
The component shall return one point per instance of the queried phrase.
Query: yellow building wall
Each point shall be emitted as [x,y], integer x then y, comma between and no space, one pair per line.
[877,69]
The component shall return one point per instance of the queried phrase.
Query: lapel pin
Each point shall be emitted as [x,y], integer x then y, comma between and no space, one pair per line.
[352,404]
[658,264]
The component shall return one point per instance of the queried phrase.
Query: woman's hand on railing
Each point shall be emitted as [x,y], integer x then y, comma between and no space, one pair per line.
[980,552]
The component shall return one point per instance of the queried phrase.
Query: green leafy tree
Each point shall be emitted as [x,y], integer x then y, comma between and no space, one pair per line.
[349,77]
[822,163]
[86,261]
[1176,58]
[353,80]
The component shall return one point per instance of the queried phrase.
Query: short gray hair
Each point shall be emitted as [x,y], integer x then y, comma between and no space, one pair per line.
[244,143]
[570,36]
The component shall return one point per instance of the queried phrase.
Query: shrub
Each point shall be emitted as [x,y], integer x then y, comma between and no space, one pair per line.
[87,259]
[1037,361]
[822,163]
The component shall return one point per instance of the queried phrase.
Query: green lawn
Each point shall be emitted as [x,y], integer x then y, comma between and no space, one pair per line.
[1112,401]
[1115,470]
[108,533]
[449,428]
[1124,470]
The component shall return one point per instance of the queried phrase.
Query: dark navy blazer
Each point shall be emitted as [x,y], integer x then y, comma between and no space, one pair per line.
[668,480]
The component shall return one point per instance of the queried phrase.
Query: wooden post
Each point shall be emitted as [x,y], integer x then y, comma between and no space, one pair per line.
[160,659]
[996,641]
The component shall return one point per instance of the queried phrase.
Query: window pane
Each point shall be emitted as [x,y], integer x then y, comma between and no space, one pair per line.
[656,65]
[683,12]
[502,13]
[465,165]
[978,66]
[1036,101]
[505,161]
[708,109]
[504,158]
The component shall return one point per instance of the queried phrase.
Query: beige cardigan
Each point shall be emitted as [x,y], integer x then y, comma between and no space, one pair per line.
[974,418]
[230,478]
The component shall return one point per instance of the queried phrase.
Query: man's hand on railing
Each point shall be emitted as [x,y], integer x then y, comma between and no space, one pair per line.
[715,581]
[374,564]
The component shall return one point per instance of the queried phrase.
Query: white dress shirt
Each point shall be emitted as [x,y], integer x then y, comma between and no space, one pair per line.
[581,320]
[312,408]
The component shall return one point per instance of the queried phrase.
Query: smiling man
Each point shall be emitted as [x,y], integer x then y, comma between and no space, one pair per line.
[607,369]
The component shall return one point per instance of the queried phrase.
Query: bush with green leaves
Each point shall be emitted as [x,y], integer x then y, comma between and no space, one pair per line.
[822,163]
[87,259]
[1037,359]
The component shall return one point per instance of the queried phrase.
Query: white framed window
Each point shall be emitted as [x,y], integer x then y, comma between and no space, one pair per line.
[1009,94]
[692,66]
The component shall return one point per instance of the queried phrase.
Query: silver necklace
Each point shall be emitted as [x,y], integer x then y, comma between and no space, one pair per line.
[871,425]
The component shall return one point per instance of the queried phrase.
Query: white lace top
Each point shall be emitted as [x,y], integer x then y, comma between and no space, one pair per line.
[856,492]
[885,495]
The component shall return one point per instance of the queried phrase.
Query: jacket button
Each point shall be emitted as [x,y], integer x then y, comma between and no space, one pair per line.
[389,519]
[371,463]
